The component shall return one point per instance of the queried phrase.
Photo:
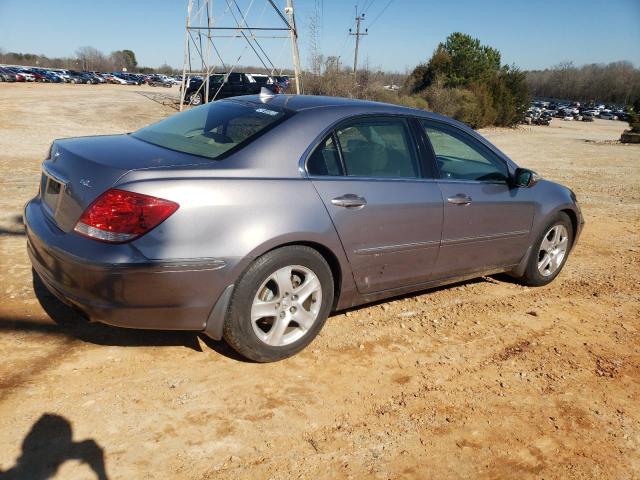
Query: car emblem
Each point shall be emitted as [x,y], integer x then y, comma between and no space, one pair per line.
[85,183]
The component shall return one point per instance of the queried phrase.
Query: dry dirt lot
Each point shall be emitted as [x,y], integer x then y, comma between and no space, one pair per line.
[485,379]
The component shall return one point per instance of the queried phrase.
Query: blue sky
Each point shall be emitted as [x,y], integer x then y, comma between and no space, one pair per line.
[530,33]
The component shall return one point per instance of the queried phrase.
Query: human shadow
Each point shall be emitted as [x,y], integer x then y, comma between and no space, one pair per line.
[48,445]
[16,231]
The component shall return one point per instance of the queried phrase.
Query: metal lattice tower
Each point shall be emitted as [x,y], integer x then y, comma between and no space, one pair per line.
[202,53]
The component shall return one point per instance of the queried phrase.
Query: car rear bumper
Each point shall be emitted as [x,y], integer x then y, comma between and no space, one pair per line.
[116,284]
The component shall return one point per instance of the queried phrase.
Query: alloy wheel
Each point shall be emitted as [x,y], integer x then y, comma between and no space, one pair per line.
[286,305]
[553,249]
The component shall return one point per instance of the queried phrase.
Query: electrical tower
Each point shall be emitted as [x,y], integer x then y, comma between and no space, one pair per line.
[202,30]
[358,34]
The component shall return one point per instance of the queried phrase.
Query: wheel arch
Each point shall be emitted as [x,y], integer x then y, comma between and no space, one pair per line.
[329,256]
[518,271]
[574,222]
[214,325]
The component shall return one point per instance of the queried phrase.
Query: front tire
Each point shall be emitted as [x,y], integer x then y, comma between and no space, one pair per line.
[279,304]
[550,251]
[195,99]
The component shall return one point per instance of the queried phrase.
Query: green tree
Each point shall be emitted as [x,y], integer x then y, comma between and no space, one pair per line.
[131,58]
[124,59]
[487,93]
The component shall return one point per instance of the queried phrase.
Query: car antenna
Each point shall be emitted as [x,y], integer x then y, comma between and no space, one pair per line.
[266,94]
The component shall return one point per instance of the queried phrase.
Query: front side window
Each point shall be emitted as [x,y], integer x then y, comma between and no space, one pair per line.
[211,130]
[378,148]
[460,157]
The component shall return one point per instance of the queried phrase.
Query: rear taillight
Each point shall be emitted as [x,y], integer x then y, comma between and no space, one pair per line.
[119,216]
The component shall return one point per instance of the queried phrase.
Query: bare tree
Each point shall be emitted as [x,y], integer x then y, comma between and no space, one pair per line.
[91,58]
[617,82]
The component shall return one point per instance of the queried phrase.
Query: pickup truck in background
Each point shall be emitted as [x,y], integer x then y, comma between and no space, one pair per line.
[224,85]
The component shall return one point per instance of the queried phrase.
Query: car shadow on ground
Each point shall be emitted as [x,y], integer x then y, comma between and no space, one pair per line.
[495,279]
[48,445]
[71,324]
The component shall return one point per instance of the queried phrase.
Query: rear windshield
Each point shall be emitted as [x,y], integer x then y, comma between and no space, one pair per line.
[212,129]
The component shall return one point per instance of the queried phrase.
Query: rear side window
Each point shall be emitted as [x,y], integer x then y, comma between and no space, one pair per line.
[378,148]
[212,129]
[325,160]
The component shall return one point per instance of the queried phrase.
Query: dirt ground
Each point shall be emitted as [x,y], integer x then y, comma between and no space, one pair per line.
[484,379]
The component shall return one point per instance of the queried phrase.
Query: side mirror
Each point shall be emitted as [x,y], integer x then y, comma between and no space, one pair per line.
[524,177]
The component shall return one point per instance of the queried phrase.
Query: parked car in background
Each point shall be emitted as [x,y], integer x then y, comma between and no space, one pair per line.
[7,75]
[587,117]
[159,81]
[110,78]
[47,76]
[283,82]
[224,85]
[261,79]
[25,74]
[64,74]
[96,76]
[607,116]
[251,219]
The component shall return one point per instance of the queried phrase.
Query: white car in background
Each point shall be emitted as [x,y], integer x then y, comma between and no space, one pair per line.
[29,77]
[64,74]
[113,79]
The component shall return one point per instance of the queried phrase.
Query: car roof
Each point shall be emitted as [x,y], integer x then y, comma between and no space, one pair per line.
[299,103]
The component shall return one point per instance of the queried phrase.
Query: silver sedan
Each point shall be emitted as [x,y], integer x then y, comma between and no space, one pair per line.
[252,219]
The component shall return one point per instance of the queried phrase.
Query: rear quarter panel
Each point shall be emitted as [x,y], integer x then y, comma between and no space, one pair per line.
[237,220]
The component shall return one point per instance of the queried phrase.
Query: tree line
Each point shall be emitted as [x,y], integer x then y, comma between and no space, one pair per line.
[617,82]
[85,59]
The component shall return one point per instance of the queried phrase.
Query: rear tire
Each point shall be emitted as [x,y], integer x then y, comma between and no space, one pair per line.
[550,252]
[279,304]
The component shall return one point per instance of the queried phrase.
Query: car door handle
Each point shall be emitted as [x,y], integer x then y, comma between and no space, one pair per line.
[349,200]
[460,199]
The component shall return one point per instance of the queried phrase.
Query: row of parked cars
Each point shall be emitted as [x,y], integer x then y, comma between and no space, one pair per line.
[542,113]
[12,73]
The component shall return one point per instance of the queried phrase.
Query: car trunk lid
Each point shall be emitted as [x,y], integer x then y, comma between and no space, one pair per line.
[80,169]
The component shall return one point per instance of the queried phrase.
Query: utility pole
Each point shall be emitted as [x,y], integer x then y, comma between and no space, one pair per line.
[208,54]
[358,34]
[183,83]
[294,44]
[199,28]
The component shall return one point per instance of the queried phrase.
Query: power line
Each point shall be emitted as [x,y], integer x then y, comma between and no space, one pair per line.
[381,12]
[366,7]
